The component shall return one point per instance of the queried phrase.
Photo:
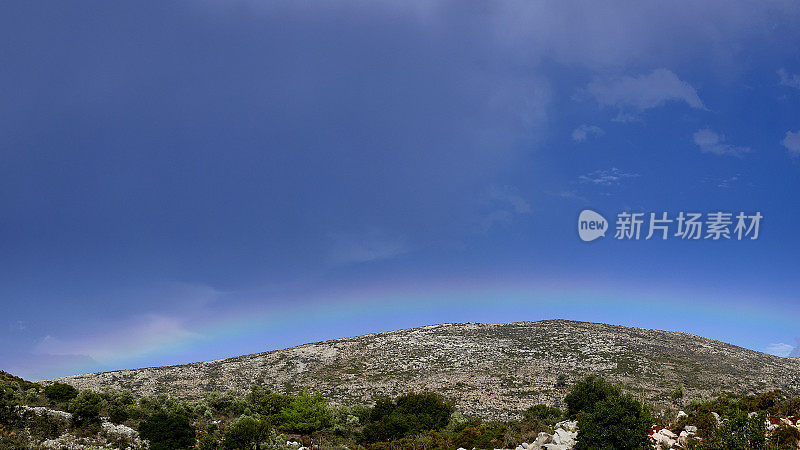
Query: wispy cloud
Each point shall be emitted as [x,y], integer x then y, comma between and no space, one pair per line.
[510,197]
[710,141]
[780,349]
[726,183]
[584,131]
[372,245]
[18,326]
[504,204]
[139,336]
[572,195]
[610,177]
[634,95]
[792,142]
[787,79]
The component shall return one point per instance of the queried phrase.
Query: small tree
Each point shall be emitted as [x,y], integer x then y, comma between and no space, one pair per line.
[587,393]
[785,437]
[246,433]
[168,431]
[7,403]
[117,413]
[542,414]
[618,422]
[60,392]
[410,413]
[86,408]
[306,413]
[539,418]
[676,395]
[268,404]
[738,431]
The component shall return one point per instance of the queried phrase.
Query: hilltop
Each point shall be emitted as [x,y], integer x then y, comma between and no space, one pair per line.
[490,370]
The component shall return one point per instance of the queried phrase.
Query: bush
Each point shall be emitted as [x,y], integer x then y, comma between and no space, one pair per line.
[542,415]
[410,413]
[60,392]
[167,431]
[479,434]
[677,394]
[588,393]
[7,402]
[228,404]
[616,422]
[86,408]
[785,437]
[246,433]
[45,427]
[268,404]
[737,432]
[207,442]
[305,414]
[117,414]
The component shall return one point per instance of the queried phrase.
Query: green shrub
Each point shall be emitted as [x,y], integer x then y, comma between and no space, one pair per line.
[86,408]
[617,422]
[268,404]
[45,427]
[785,437]
[542,415]
[587,393]
[228,404]
[305,414]
[7,403]
[60,392]
[409,413]
[246,433]
[738,431]
[117,414]
[479,434]
[23,384]
[207,442]
[677,394]
[168,431]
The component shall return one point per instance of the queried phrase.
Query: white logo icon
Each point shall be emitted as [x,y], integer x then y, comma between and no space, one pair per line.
[591,225]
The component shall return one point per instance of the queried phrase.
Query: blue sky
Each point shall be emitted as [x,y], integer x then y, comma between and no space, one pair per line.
[194,180]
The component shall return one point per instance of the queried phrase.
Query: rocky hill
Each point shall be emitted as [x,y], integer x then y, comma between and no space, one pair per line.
[490,370]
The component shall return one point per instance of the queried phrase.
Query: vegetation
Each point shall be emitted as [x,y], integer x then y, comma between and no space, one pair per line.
[168,431]
[264,419]
[60,393]
[616,422]
[408,414]
[86,408]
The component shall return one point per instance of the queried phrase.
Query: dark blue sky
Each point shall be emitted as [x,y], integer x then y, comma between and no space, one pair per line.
[186,181]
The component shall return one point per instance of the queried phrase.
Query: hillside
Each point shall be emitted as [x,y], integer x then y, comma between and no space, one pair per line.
[490,370]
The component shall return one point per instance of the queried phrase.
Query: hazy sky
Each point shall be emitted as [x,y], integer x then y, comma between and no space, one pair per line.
[183,181]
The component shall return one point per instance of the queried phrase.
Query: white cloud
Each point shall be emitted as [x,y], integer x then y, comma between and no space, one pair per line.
[792,142]
[509,196]
[634,95]
[136,337]
[364,247]
[710,141]
[615,33]
[581,133]
[780,349]
[571,195]
[504,204]
[610,177]
[787,79]
[727,182]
